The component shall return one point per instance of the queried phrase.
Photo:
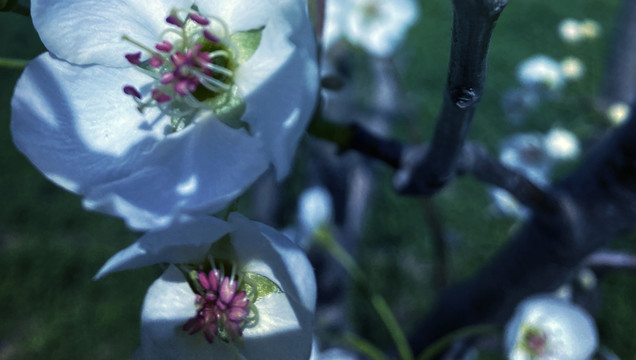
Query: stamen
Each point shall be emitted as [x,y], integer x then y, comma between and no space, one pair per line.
[164,46]
[134,58]
[185,78]
[130,90]
[174,20]
[199,19]
[208,35]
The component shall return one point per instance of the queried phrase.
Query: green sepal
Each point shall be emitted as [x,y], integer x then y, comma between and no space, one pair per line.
[259,285]
[245,44]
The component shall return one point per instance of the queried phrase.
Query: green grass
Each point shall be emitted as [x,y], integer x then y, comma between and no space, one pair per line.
[50,247]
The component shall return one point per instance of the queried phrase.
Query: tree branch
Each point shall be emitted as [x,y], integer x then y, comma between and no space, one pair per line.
[595,204]
[473,23]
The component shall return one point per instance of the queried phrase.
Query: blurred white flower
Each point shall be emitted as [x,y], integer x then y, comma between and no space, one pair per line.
[561,144]
[570,31]
[526,153]
[214,92]
[618,112]
[541,71]
[572,68]
[250,292]
[377,26]
[591,29]
[573,31]
[506,205]
[548,328]
[315,211]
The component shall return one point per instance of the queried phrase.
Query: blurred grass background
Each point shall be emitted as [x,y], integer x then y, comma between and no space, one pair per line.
[50,247]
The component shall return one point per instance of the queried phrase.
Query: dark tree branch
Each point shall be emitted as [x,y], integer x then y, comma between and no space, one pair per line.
[473,23]
[596,204]
[619,81]
[611,260]
[473,159]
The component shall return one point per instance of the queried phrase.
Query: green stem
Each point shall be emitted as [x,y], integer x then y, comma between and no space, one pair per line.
[13,63]
[436,348]
[364,346]
[379,304]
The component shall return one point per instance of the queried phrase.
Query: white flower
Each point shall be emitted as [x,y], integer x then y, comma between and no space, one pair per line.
[276,322]
[570,31]
[524,153]
[572,68]
[548,328]
[541,71]
[375,25]
[315,211]
[573,31]
[505,204]
[591,29]
[618,112]
[211,97]
[561,144]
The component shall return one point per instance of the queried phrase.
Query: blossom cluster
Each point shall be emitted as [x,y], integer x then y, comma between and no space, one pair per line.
[163,114]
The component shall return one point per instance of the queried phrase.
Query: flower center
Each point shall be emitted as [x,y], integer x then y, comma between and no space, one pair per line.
[534,341]
[192,68]
[223,309]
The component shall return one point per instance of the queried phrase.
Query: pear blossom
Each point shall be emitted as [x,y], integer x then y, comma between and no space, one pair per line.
[572,68]
[561,144]
[160,111]
[233,289]
[618,112]
[541,71]
[315,213]
[377,26]
[574,31]
[548,328]
[526,154]
[570,31]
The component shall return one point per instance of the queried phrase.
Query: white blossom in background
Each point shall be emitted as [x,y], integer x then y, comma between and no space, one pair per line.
[591,29]
[158,111]
[315,213]
[541,71]
[572,68]
[526,154]
[570,31]
[561,144]
[251,292]
[618,112]
[573,31]
[377,26]
[548,328]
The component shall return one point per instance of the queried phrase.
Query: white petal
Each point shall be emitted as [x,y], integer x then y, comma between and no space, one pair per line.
[169,303]
[62,127]
[90,31]
[180,244]
[570,331]
[239,15]
[279,334]
[197,171]
[280,83]
[267,252]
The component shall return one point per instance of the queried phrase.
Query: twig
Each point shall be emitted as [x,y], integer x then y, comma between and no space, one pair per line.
[473,23]
[611,260]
